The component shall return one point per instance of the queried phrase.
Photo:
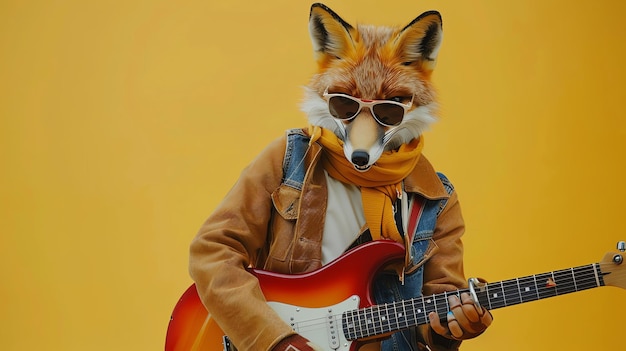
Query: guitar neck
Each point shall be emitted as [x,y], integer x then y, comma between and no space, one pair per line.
[540,286]
[383,319]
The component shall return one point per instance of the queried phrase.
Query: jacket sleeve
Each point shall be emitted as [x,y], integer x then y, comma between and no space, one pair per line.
[444,270]
[227,243]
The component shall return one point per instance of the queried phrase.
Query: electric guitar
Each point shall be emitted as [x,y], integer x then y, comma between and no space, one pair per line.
[337,311]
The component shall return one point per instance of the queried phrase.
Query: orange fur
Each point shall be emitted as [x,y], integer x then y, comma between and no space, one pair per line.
[373,63]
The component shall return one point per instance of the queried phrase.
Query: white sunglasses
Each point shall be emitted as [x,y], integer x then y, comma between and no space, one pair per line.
[386,112]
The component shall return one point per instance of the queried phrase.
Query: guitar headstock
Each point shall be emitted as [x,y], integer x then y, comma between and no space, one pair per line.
[613,267]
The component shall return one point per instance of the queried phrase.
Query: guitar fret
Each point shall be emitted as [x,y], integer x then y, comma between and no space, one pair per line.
[586,278]
[411,314]
[441,305]
[352,324]
[345,317]
[394,318]
[380,319]
[443,308]
[400,315]
[366,321]
[535,282]
[359,327]
[565,282]
[528,289]
[546,285]
[417,312]
[511,290]
[348,324]
[377,317]
[495,295]
[420,310]
[369,317]
[519,291]
[406,315]
[556,287]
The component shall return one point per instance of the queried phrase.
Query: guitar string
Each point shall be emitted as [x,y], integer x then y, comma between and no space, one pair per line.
[378,323]
[410,316]
[585,279]
[582,278]
[401,322]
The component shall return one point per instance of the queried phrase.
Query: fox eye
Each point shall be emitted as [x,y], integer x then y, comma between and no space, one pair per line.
[400,99]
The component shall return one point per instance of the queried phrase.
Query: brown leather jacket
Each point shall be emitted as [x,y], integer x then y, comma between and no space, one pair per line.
[265,225]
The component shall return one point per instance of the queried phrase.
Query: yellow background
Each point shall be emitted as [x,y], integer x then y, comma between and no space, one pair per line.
[123,123]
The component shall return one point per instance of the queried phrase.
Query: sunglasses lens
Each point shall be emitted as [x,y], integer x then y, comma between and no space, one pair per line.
[389,114]
[342,107]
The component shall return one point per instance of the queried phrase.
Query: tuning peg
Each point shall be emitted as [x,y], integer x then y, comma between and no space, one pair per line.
[621,245]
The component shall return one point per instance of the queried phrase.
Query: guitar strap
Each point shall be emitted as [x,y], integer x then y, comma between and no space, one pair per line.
[416,210]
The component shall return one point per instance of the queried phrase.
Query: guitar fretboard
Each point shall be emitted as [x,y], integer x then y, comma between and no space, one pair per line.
[382,319]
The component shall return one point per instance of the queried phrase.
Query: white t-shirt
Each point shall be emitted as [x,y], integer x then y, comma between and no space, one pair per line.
[344,218]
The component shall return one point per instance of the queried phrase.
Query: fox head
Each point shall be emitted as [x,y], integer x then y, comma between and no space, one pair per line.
[371,65]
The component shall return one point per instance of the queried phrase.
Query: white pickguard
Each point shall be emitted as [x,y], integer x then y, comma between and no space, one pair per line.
[323,326]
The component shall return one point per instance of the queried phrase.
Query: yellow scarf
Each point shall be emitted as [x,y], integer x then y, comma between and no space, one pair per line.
[381,185]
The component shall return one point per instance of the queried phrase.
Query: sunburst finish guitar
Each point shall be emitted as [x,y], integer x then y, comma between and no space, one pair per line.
[337,311]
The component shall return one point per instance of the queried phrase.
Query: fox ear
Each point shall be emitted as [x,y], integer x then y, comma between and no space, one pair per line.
[331,35]
[419,41]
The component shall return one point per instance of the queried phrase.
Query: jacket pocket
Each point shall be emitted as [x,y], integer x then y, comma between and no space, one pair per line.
[422,250]
[281,228]
[286,201]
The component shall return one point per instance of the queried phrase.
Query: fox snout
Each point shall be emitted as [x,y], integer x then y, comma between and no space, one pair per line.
[363,140]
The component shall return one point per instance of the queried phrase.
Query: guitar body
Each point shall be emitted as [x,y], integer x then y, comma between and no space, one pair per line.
[344,284]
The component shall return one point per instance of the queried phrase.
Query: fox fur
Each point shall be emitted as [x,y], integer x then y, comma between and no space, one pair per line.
[373,63]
